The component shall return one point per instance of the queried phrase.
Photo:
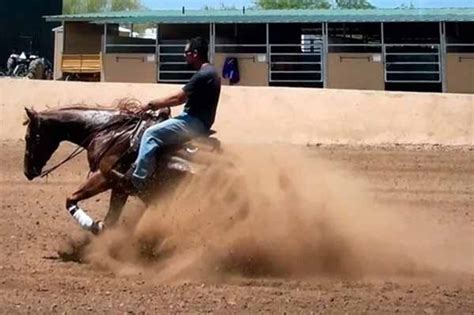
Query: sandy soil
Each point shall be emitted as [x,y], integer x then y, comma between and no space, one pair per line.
[329,229]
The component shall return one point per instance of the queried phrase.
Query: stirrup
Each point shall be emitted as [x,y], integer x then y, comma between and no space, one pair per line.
[116,175]
[124,181]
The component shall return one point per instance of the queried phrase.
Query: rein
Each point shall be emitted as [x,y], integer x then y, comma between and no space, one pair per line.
[80,147]
[74,153]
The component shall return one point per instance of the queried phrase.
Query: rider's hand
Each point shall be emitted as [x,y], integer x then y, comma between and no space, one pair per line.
[141,109]
[149,106]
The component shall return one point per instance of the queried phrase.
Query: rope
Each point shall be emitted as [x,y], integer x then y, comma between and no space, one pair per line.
[75,153]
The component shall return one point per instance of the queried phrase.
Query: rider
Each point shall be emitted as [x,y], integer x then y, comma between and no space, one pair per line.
[201,95]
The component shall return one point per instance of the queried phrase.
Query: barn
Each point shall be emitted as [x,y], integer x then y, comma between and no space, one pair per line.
[428,50]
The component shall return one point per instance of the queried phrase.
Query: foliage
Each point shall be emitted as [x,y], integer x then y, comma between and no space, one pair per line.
[313,4]
[90,6]
[221,6]
[292,4]
[354,4]
[406,6]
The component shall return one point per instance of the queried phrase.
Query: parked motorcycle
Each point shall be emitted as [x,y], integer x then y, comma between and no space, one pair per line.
[32,67]
[21,65]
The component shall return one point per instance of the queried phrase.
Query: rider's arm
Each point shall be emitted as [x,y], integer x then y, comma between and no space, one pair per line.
[170,101]
[179,97]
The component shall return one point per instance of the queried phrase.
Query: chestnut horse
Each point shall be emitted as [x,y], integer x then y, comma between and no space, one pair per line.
[106,134]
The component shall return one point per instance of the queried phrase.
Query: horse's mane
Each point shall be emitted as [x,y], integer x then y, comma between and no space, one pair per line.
[82,107]
[124,105]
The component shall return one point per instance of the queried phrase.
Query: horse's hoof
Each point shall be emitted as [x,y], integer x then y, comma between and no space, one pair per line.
[97,227]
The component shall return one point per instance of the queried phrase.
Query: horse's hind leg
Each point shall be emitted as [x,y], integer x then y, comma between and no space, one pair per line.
[94,185]
[117,201]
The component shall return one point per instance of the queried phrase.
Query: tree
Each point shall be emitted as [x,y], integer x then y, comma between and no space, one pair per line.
[292,4]
[406,6]
[221,6]
[74,6]
[125,5]
[354,4]
[86,6]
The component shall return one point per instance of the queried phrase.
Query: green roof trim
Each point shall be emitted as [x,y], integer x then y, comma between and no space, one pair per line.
[273,16]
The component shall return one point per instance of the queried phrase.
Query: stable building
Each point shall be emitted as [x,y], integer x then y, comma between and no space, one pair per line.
[428,50]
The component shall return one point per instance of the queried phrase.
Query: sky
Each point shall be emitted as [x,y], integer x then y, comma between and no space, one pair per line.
[199,4]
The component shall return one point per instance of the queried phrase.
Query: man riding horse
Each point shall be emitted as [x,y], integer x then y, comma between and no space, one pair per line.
[108,137]
[201,95]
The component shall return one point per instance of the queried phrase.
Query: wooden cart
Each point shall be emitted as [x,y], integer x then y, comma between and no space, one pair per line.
[81,67]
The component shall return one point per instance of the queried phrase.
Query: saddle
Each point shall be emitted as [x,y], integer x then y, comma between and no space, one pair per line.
[125,142]
[204,140]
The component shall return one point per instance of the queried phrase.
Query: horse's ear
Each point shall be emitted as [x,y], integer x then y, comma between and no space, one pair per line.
[30,112]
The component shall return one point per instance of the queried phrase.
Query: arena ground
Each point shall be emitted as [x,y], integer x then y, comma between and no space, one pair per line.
[393,234]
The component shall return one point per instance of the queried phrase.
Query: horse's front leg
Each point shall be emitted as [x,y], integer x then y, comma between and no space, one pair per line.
[94,185]
[118,199]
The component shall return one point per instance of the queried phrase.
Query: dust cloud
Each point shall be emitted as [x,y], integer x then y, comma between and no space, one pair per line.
[270,211]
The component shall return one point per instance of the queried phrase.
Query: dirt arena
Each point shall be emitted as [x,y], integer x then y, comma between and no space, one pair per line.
[324,229]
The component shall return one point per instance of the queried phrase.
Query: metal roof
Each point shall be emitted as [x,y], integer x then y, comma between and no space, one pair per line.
[273,16]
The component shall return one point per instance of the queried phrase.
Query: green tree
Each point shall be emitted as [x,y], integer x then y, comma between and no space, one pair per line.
[221,6]
[406,6]
[124,5]
[86,6]
[292,4]
[354,4]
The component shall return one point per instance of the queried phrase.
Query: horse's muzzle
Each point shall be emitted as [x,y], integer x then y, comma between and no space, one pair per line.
[31,174]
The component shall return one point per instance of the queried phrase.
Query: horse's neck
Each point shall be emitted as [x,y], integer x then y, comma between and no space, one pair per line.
[77,126]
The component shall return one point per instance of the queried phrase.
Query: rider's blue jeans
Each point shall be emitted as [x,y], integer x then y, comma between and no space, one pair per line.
[173,131]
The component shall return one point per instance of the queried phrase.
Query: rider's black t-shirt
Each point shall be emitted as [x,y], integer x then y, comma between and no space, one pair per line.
[203,92]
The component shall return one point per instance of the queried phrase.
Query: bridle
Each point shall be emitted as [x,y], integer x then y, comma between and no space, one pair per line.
[37,140]
[81,147]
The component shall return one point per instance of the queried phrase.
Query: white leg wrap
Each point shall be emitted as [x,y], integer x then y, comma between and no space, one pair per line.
[81,217]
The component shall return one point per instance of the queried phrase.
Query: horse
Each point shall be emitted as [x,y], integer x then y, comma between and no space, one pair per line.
[110,137]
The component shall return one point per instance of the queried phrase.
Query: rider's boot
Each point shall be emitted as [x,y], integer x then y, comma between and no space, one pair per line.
[124,181]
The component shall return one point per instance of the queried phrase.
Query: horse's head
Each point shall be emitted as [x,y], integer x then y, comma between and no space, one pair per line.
[39,145]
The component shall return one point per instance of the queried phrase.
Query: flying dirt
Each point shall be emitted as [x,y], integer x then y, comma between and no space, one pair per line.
[272,211]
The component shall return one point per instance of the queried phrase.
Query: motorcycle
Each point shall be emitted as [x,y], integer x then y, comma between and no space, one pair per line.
[21,65]
[32,66]
[40,69]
